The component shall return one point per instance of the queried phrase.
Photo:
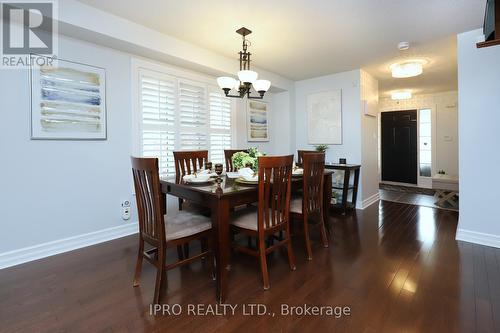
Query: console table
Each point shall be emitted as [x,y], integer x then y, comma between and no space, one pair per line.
[345,186]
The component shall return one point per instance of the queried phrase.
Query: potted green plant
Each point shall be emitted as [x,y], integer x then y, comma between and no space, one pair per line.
[321,148]
[248,159]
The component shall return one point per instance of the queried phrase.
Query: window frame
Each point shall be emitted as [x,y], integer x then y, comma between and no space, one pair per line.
[179,75]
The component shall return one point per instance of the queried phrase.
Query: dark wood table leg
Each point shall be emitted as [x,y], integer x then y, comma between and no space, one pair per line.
[345,190]
[355,189]
[220,225]
[163,204]
[327,199]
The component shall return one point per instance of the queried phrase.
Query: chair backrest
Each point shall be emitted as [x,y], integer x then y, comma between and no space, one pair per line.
[314,168]
[189,161]
[275,178]
[228,154]
[300,155]
[148,195]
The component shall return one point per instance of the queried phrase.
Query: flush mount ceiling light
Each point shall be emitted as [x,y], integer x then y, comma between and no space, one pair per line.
[401,94]
[246,77]
[407,69]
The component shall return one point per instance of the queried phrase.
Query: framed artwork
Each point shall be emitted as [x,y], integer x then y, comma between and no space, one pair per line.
[68,102]
[257,121]
[324,117]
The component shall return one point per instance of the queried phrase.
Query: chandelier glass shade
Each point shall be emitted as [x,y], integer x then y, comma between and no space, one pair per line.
[246,77]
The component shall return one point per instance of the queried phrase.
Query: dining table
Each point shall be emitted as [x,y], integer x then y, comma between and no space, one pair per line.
[221,198]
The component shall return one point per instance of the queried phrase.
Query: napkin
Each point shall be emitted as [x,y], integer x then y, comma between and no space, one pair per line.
[202,175]
[298,171]
[248,174]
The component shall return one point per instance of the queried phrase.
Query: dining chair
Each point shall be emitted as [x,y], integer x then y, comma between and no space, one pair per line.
[300,155]
[228,154]
[271,216]
[187,162]
[161,232]
[310,205]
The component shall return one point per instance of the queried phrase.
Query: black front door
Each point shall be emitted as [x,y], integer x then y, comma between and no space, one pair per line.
[399,146]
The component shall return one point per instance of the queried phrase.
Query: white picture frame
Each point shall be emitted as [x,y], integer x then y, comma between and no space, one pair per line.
[68,102]
[324,117]
[257,121]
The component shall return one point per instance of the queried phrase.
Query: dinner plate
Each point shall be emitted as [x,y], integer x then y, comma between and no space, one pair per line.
[248,182]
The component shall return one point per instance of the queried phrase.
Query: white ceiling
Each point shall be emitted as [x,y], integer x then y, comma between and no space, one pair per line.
[302,39]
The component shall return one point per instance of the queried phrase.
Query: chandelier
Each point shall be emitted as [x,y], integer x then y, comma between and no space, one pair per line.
[246,77]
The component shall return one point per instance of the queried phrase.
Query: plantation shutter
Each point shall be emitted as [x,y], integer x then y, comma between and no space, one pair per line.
[180,114]
[192,116]
[220,125]
[157,104]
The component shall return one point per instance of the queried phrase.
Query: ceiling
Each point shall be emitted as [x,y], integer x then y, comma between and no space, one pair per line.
[300,40]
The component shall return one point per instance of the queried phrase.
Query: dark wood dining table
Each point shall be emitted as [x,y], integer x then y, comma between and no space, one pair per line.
[220,199]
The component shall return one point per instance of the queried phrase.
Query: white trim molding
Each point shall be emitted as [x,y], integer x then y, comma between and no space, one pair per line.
[369,201]
[20,256]
[478,238]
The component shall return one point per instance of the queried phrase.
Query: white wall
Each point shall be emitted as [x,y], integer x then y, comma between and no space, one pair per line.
[479,127]
[279,125]
[369,143]
[348,82]
[57,189]
[353,124]
[444,125]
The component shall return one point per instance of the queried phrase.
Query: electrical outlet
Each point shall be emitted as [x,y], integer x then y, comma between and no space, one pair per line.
[126,210]
[126,213]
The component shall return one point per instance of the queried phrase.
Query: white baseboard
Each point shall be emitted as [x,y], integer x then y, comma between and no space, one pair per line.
[369,201]
[478,238]
[16,257]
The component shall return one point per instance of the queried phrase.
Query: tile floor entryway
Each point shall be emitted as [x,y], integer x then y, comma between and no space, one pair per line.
[406,195]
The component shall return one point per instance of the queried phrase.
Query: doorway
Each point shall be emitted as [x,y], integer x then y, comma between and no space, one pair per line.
[399,146]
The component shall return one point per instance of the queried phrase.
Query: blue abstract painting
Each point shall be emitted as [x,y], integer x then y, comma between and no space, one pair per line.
[68,101]
[257,117]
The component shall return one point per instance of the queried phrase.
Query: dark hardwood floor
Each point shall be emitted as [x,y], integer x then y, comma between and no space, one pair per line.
[396,266]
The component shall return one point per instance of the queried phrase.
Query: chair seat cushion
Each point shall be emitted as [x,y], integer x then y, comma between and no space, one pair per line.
[185,224]
[246,218]
[296,205]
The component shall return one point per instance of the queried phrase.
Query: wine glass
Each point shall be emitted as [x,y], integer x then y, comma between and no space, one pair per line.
[218,171]
[208,166]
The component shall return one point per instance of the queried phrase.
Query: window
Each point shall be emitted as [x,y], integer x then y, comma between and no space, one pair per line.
[178,114]
[425,136]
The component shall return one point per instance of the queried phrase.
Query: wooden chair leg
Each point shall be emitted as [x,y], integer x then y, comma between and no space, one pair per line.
[263,263]
[180,255]
[291,257]
[186,250]
[160,274]
[322,229]
[138,265]
[306,237]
